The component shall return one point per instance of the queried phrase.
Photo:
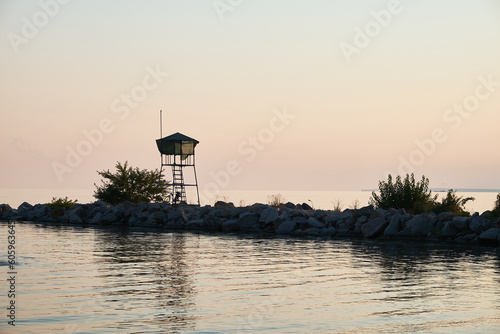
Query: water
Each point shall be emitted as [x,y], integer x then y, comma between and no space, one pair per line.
[325,200]
[99,280]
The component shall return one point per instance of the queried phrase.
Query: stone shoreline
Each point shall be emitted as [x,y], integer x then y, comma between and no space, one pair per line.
[290,219]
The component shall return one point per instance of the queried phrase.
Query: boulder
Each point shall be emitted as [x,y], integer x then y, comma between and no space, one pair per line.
[490,236]
[211,223]
[195,224]
[268,215]
[364,211]
[40,210]
[329,231]
[222,204]
[300,220]
[374,227]
[449,229]
[157,217]
[230,225]
[286,227]
[329,220]
[394,225]
[314,223]
[109,218]
[422,226]
[25,206]
[461,223]
[305,206]
[445,216]
[74,218]
[248,222]
[480,224]
[312,231]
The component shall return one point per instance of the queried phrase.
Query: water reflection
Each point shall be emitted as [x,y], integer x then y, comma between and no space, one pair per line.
[129,281]
[144,271]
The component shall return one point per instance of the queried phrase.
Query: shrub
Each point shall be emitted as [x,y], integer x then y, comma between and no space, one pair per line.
[453,203]
[276,200]
[131,184]
[61,203]
[496,210]
[337,206]
[414,197]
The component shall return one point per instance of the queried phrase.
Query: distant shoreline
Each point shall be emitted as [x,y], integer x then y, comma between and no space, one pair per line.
[459,190]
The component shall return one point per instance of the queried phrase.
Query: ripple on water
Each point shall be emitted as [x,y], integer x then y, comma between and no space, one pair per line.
[100,280]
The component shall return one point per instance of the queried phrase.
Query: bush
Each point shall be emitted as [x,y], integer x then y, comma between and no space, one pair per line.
[131,184]
[276,200]
[453,203]
[61,203]
[496,210]
[414,197]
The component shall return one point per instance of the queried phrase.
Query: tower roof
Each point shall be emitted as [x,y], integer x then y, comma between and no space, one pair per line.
[178,137]
[177,144]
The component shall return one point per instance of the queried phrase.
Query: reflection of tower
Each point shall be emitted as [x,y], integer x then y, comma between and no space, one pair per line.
[177,151]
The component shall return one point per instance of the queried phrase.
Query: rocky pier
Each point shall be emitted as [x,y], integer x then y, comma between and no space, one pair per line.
[288,220]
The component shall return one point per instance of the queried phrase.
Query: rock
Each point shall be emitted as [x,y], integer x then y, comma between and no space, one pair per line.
[417,225]
[445,216]
[362,220]
[289,205]
[40,210]
[306,206]
[449,229]
[268,215]
[319,214]
[312,231]
[74,218]
[461,223]
[286,227]
[422,226]
[364,211]
[222,204]
[96,219]
[248,222]
[195,224]
[157,217]
[394,225]
[329,231]
[329,220]
[480,224]
[25,206]
[211,223]
[490,236]
[300,220]
[76,209]
[314,223]
[230,225]
[109,218]
[373,228]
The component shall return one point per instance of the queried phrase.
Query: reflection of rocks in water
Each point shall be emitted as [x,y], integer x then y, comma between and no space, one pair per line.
[152,271]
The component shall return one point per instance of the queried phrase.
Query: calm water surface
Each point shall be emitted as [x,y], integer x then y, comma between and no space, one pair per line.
[95,280]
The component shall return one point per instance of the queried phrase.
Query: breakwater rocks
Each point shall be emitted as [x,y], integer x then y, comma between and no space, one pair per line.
[294,220]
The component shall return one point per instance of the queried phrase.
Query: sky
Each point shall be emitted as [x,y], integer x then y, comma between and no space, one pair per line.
[287,95]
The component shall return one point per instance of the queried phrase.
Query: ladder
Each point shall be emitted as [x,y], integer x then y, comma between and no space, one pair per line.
[178,188]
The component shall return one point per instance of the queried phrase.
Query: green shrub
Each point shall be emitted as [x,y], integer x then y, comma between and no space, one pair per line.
[414,197]
[61,203]
[131,184]
[453,203]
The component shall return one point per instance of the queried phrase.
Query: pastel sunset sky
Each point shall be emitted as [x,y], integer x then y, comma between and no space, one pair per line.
[281,94]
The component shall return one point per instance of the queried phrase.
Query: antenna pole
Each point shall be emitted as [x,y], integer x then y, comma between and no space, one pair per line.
[161,125]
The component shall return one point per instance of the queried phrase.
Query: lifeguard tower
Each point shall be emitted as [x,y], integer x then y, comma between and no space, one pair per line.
[177,152]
